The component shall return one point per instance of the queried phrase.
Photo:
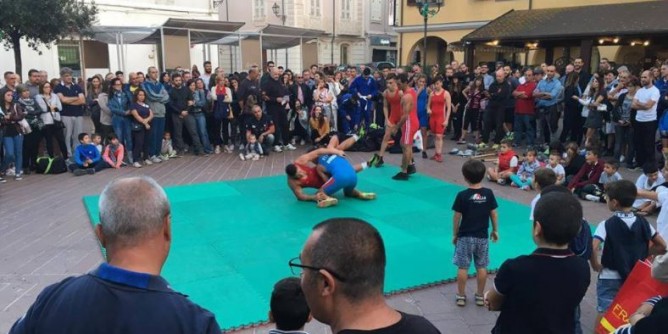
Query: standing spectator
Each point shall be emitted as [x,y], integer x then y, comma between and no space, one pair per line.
[331,295]
[423,97]
[458,102]
[119,105]
[50,104]
[509,117]
[275,100]
[11,114]
[206,76]
[128,290]
[540,292]
[105,113]
[133,83]
[624,148]
[572,124]
[95,87]
[591,101]
[221,97]
[270,65]
[474,208]
[499,92]
[323,98]
[31,140]
[200,97]
[72,98]
[299,91]
[439,109]
[547,94]
[472,119]
[157,97]
[236,126]
[142,115]
[249,86]
[583,76]
[645,103]
[33,82]
[180,102]
[11,80]
[525,111]
[365,87]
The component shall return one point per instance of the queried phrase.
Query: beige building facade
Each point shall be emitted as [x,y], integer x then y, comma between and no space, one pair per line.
[458,18]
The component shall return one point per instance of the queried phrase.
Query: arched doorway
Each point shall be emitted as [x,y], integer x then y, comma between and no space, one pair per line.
[437,52]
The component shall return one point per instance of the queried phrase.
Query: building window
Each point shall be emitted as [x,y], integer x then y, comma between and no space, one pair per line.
[346,9]
[376,10]
[315,8]
[258,9]
[344,54]
[68,56]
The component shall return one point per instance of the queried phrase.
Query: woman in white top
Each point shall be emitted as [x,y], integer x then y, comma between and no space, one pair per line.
[50,104]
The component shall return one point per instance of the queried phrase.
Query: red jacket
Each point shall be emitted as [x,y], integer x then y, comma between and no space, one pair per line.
[504,161]
[526,106]
[588,174]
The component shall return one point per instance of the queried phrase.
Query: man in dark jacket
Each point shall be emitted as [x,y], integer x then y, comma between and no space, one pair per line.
[300,91]
[499,92]
[180,103]
[276,101]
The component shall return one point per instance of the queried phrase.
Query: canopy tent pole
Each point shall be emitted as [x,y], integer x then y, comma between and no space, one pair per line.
[261,52]
[162,49]
[118,51]
[123,52]
[301,53]
[240,63]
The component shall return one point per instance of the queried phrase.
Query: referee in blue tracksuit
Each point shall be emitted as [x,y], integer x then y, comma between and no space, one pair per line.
[366,89]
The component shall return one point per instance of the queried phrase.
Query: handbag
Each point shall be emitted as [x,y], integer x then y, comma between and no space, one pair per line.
[24,127]
[136,126]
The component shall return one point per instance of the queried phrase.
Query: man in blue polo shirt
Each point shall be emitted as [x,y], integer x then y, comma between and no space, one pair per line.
[547,96]
[72,98]
[126,294]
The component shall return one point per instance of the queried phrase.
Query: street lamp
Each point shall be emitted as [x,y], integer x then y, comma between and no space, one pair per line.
[426,12]
[279,11]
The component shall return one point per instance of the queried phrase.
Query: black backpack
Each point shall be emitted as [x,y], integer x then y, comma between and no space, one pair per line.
[48,165]
[581,245]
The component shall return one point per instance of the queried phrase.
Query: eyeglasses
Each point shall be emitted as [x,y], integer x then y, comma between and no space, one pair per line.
[297,267]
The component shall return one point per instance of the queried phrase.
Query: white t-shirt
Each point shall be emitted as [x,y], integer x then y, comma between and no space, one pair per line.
[642,184]
[533,206]
[629,219]
[513,161]
[558,170]
[644,95]
[662,219]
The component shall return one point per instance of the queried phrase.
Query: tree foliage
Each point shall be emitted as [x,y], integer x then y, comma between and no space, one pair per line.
[42,22]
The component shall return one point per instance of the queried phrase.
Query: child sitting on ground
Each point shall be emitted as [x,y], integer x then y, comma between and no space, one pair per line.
[543,178]
[649,179]
[524,176]
[474,208]
[590,173]
[595,192]
[97,141]
[87,158]
[554,164]
[113,152]
[508,163]
[167,150]
[626,238]
[540,292]
[253,150]
[288,307]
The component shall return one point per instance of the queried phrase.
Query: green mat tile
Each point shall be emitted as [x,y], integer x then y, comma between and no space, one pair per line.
[232,240]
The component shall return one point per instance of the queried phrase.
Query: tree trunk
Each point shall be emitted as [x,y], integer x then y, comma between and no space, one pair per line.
[16,46]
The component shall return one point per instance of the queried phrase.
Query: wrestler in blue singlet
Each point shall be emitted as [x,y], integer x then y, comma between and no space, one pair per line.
[343,175]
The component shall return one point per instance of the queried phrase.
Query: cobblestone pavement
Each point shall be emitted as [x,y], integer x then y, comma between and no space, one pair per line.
[45,235]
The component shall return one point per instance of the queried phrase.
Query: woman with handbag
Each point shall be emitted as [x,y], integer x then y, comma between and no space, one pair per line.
[50,105]
[31,140]
[196,86]
[14,125]
[141,124]
[221,97]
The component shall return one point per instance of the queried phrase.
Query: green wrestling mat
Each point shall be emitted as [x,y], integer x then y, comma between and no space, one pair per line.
[232,240]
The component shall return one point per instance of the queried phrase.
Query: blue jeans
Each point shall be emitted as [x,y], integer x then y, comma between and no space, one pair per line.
[606,290]
[524,128]
[13,153]
[155,135]
[123,131]
[200,119]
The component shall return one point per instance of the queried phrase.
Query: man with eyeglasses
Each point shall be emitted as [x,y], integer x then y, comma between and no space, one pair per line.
[344,285]
[267,74]
[487,79]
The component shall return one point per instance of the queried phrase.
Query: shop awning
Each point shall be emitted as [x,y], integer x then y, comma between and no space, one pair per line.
[274,37]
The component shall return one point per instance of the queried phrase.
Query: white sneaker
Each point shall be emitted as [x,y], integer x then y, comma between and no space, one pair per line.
[217,149]
[227,149]
[231,147]
[302,143]
[501,181]
[156,160]
[242,157]
[10,171]
[290,147]
[592,198]
[148,162]
[164,157]
[277,149]
[136,164]
[241,147]
[256,157]
[621,159]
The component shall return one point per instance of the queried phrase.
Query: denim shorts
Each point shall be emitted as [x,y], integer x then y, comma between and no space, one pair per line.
[470,247]
[606,290]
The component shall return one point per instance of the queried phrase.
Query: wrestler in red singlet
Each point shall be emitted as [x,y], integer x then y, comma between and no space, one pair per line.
[412,124]
[312,179]
[437,116]
[395,106]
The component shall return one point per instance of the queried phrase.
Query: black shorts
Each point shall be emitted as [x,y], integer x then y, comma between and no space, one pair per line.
[472,119]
